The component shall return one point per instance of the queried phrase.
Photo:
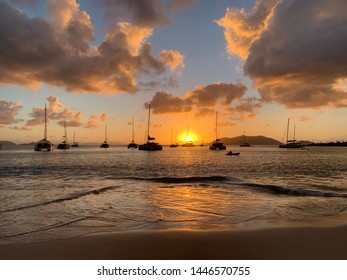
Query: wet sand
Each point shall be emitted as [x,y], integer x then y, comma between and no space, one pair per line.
[261,244]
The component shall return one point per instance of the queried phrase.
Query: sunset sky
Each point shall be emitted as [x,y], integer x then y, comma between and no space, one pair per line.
[100,62]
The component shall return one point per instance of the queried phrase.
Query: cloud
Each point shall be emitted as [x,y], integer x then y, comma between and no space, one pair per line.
[174,59]
[242,28]
[203,100]
[298,58]
[59,51]
[147,13]
[163,103]
[55,111]
[9,111]
[93,122]
[20,128]
[305,118]
[103,117]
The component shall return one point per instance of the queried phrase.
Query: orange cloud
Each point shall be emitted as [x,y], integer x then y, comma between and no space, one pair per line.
[92,122]
[174,59]
[103,117]
[204,99]
[242,28]
[58,51]
[294,51]
[9,111]
[55,111]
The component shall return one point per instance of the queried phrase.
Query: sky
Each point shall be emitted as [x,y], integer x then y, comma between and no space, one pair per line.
[101,62]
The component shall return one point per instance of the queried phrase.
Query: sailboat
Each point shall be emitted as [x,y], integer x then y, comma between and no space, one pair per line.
[172,145]
[189,143]
[216,144]
[64,145]
[132,144]
[44,144]
[74,143]
[150,146]
[291,144]
[105,145]
[244,144]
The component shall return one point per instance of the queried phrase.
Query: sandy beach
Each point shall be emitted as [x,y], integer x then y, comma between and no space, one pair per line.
[262,244]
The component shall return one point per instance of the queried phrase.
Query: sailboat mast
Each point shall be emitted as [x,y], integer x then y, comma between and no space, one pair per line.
[105,132]
[133,130]
[287,129]
[149,118]
[294,132]
[65,132]
[216,128]
[45,133]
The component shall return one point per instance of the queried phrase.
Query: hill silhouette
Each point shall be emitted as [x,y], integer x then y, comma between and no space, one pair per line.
[253,140]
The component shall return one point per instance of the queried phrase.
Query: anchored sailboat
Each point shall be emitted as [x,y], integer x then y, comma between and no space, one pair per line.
[173,145]
[189,142]
[150,146]
[105,145]
[244,144]
[291,144]
[132,144]
[44,144]
[64,145]
[74,143]
[216,144]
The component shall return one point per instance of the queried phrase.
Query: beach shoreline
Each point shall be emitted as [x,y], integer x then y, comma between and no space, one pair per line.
[293,243]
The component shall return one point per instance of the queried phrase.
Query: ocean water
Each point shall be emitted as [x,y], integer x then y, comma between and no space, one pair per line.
[64,194]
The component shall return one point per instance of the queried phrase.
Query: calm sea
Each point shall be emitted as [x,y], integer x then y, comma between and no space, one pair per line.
[64,194]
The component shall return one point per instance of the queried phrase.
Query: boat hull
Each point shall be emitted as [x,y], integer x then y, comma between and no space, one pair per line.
[43,146]
[291,146]
[217,147]
[150,146]
[132,146]
[63,146]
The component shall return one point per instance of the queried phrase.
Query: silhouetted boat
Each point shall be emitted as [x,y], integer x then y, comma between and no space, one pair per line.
[217,145]
[74,143]
[172,145]
[230,153]
[291,144]
[132,144]
[105,145]
[188,143]
[244,144]
[64,145]
[150,146]
[44,144]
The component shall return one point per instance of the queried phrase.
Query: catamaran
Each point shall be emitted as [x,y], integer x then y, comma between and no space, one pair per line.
[44,144]
[150,146]
[216,144]
[291,144]
[189,142]
[132,144]
[74,143]
[172,145]
[244,144]
[64,145]
[105,145]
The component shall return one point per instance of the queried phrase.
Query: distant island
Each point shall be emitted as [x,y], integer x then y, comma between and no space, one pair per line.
[329,144]
[252,140]
[7,143]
